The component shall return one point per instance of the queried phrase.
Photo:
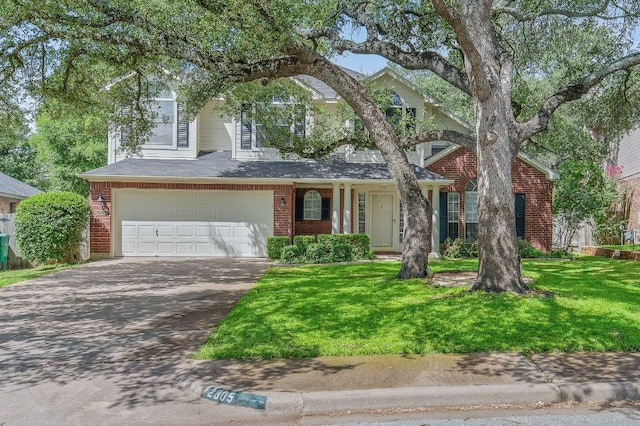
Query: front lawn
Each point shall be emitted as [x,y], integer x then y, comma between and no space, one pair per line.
[357,309]
[626,247]
[17,275]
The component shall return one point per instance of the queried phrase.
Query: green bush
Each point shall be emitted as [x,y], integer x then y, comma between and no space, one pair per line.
[527,251]
[341,252]
[303,241]
[460,249]
[49,226]
[275,246]
[317,253]
[290,254]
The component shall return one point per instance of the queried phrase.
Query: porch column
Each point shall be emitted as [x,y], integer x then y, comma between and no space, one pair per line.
[335,216]
[435,223]
[346,216]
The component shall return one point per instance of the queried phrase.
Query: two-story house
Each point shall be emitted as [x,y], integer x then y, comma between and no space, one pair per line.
[212,187]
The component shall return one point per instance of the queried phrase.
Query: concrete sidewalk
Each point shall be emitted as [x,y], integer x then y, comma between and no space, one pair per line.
[357,384]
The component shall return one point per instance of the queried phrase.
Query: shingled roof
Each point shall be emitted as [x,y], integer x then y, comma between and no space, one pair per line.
[221,165]
[13,188]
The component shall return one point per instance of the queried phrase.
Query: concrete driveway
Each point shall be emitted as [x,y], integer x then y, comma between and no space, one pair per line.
[102,343]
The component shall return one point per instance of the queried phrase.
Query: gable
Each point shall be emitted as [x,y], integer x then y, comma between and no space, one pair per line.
[457,160]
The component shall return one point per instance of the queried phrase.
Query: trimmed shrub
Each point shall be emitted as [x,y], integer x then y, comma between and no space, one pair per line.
[290,254]
[303,241]
[526,250]
[460,249]
[49,226]
[317,253]
[341,252]
[275,246]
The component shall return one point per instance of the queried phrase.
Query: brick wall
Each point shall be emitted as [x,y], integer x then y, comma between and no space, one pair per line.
[101,215]
[313,227]
[461,166]
[5,204]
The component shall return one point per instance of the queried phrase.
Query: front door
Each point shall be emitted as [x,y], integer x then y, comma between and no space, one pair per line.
[382,220]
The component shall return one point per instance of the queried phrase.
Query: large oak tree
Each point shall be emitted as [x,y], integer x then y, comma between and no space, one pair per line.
[482,48]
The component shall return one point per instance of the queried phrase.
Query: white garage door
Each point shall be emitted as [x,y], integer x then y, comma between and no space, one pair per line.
[194,223]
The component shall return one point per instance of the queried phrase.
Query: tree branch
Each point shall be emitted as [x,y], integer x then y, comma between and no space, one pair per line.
[573,92]
[466,141]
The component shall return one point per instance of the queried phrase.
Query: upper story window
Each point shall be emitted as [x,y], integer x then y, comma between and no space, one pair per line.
[398,111]
[170,125]
[287,119]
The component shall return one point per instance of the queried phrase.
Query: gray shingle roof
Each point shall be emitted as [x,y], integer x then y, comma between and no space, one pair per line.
[14,188]
[221,165]
[323,88]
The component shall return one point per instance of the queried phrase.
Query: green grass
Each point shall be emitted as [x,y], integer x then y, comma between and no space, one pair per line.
[360,309]
[626,247]
[17,275]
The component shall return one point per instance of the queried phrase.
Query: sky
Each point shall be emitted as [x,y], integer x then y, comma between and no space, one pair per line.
[366,64]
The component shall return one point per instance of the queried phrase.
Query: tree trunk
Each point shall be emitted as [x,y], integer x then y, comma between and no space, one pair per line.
[499,260]
[415,242]
[490,71]
[416,208]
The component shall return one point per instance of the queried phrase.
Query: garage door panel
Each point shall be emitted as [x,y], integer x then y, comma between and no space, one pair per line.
[201,223]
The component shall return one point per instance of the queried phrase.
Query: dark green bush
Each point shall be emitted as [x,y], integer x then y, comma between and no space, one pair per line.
[460,249]
[303,241]
[290,254]
[49,226]
[341,252]
[275,246]
[317,253]
[527,251]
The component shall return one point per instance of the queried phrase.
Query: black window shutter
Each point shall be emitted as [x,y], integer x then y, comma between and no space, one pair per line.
[520,213]
[245,128]
[444,226]
[183,128]
[325,214]
[299,209]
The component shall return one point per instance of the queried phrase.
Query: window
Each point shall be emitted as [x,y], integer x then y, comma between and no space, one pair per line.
[520,213]
[449,215]
[453,214]
[471,210]
[171,126]
[254,134]
[399,111]
[312,205]
[362,206]
[12,207]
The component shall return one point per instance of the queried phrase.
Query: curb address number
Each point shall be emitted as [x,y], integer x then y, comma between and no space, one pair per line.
[230,397]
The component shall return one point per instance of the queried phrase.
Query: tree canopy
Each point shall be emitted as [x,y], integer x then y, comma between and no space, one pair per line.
[518,61]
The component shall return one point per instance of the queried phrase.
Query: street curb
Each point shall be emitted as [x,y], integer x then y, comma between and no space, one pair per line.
[600,392]
[323,402]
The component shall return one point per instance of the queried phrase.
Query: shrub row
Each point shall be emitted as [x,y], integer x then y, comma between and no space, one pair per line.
[460,249]
[327,248]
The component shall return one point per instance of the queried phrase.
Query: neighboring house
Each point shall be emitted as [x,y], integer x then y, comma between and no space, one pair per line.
[12,191]
[628,158]
[211,187]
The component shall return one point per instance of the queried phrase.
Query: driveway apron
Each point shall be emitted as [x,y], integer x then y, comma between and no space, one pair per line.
[120,326]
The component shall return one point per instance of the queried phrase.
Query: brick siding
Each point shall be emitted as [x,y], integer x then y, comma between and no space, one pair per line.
[461,166]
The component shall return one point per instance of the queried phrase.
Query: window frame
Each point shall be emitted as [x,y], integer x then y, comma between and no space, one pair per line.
[312,205]
[471,210]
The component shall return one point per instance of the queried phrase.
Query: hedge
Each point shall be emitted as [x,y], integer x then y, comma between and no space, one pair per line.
[49,226]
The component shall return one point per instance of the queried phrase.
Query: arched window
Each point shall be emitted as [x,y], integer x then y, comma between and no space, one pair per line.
[471,210]
[312,205]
